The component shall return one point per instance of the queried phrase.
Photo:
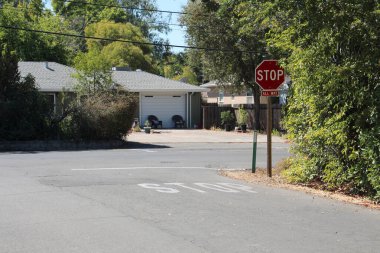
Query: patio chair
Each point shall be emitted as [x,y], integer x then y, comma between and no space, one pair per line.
[178,121]
[154,122]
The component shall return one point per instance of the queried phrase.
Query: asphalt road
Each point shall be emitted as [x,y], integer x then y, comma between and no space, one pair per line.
[167,198]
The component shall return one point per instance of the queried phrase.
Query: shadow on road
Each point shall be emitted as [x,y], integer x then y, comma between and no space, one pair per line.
[72,147]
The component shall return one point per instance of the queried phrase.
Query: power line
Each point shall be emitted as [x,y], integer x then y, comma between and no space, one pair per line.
[126,7]
[124,41]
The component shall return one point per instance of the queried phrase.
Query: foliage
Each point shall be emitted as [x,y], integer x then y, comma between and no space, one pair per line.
[112,11]
[24,112]
[34,46]
[103,116]
[242,116]
[93,73]
[227,25]
[135,56]
[331,51]
[176,67]
[227,117]
[147,123]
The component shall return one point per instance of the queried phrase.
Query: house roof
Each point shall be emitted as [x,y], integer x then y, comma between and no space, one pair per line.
[140,81]
[54,77]
[50,76]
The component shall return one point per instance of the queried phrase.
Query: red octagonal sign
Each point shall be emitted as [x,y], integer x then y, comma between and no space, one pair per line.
[269,75]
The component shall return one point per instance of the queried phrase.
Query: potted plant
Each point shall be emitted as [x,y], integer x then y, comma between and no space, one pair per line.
[242,119]
[147,127]
[227,119]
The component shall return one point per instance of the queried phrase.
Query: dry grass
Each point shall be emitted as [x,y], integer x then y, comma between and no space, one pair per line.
[260,177]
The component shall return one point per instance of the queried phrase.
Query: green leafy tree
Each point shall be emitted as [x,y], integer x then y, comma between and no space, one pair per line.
[93,73]
[176,66]
[331,49]
[136,13]
[226,25]
[136,56]
[34,46]
[24,112]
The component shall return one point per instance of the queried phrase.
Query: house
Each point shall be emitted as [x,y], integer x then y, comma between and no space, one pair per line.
[51,78]
[227,95]
[158,96]
[162,97]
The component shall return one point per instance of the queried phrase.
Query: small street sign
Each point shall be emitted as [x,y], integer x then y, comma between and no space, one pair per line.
[270,93]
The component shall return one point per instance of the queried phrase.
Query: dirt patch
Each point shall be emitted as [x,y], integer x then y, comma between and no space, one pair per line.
[260,177]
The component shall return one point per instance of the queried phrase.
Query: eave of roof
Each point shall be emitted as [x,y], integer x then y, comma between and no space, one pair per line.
[140,81]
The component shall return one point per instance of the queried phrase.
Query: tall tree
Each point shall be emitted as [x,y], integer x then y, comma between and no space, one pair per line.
[137,12]
[32,45]
[134,55]
[222,25]
[331,49]
[23,111]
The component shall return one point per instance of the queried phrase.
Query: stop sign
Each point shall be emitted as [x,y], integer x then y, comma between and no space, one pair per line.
[269,75]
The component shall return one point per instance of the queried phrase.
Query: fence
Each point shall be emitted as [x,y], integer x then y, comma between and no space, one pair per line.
[211,116]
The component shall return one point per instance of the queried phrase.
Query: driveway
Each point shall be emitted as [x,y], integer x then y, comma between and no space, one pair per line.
[198,136]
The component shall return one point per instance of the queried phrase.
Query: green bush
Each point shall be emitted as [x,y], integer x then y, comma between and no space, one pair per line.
[242,117]
[103,116]
[227,117]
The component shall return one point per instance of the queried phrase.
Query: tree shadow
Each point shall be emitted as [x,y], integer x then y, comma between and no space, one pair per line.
[25,149]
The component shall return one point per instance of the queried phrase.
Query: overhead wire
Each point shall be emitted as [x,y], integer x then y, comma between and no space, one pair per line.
[124,40]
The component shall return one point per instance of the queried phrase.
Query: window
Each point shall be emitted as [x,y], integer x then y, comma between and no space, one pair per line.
[50,98]
[221,95]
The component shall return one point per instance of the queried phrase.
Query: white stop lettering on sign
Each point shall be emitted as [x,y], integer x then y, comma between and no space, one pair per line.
[272,75]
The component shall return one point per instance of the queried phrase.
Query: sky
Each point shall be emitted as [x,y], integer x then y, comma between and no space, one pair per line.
[177,35]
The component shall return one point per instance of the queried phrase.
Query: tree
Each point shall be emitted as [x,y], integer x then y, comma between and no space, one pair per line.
[93,73]
[223,25]
[135,55]
[24,112]
[34,46]
[176,66]
[136,12]
[331,50]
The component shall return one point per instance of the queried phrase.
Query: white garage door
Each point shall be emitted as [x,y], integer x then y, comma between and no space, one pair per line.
[163,107]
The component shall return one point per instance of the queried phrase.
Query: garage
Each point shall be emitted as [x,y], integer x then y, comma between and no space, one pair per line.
[163,107]
[161,97]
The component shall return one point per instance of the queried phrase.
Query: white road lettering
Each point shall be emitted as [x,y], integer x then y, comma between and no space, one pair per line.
[158,188]
[238,187]
[186,187]
[142,168]
[216,187]
[220,187]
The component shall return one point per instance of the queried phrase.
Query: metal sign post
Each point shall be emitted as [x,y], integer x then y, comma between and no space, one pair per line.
[254,151]
[269,137]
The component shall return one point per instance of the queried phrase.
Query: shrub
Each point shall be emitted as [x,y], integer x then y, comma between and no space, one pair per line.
[226,117]
[242,117]
[103,116]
